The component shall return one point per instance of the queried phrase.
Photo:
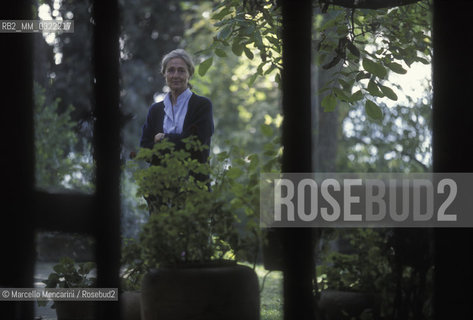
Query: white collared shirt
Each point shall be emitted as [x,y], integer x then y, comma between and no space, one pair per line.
[174,116]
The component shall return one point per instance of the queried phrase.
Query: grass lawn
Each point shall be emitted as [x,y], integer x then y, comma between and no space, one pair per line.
[271,296]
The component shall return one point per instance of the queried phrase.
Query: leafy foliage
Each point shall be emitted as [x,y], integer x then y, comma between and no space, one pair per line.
[241,102]
[58,164]
[400,142]
[189,223]
[369,263]
[134,265]
[62,63]
[364,269]
[363,46]
[68,274]
[248,29]
[238,174]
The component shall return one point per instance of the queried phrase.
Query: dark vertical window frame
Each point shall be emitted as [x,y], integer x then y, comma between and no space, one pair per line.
[452,116]
[107,142]
[298,248]
[17,162]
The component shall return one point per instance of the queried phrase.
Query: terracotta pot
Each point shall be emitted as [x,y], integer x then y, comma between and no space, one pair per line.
[204,291]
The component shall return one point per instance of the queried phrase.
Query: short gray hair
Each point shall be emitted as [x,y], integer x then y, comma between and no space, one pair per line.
[178,53]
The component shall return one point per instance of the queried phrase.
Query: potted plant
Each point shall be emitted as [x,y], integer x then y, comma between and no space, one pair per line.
[188,245]
[376,274]
[352,278]
[68,274]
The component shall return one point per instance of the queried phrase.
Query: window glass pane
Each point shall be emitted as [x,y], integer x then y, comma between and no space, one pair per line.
[372,104]
[63,118]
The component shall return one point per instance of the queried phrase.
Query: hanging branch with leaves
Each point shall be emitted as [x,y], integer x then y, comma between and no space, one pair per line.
[369,44]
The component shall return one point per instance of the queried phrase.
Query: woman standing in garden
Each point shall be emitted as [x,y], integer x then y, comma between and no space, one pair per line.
[182,113]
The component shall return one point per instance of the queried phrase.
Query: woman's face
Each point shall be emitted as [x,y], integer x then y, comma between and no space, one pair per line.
[177,75]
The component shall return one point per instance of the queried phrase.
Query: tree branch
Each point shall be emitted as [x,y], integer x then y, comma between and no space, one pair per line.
[413,158]
[369,4]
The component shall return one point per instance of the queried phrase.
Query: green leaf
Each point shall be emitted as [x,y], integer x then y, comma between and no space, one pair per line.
[277,78]
[260,70]
[269,149]
[347,85]
[253,158]
[222,156]
[52,281]
[269,165]
[374,90]
[234,173]
[239,190]
[220,52]
[222,13]
[248,53]
[59,268]
[396,67]
[258,40]
[373,110]
[67,262]
[270,69]
[375,68]
[254,162]
[86,267]
[223,22]
[341,94]
[204,66]
[267,130]
[362,75]
[263,54]
[220,5]
[332,63]
[388,92]
[329,102]
[247,31]
[237,47]
[422,60]
[239,161]
[225,32]
[353,49]
[274,41]
[358,95]
[252,79]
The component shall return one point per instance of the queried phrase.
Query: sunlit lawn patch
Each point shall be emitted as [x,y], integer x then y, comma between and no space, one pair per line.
[271,294]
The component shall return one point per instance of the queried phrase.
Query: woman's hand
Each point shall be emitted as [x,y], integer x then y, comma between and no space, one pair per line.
[158,137]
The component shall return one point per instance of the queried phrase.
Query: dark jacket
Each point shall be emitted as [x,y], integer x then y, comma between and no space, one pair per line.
[198,122]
